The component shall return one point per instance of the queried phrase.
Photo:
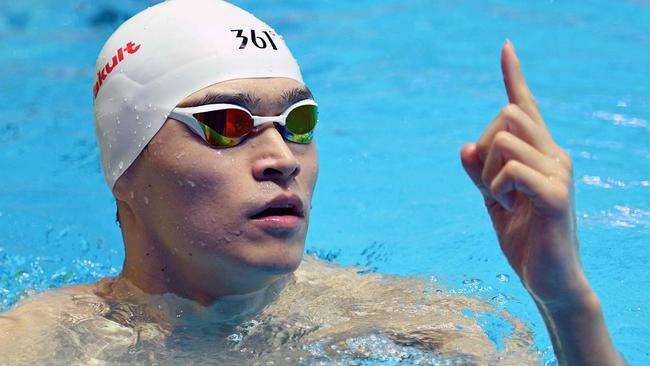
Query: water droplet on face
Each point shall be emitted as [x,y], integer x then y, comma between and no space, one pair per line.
[137,117]
[502,277]
[121,165]
[149,105]
[191,183]
[132,194]
[149,125]
[146,200]
[118,121]
[125,100]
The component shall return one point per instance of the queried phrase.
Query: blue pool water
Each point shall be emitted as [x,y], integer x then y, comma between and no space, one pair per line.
[401,86]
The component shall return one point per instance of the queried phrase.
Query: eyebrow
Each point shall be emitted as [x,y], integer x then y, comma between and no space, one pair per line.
[249,100]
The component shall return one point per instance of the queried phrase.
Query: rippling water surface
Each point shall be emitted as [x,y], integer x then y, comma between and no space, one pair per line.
[401,86]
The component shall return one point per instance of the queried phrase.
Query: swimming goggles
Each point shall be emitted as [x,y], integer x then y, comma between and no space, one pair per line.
[225,125]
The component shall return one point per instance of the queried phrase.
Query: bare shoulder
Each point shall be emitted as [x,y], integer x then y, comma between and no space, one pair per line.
[411,311]
[36,318]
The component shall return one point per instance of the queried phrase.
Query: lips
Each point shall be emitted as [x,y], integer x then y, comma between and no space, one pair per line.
[282,205]
[280,216]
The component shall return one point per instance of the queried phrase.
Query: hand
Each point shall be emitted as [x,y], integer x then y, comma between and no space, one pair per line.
[526,181]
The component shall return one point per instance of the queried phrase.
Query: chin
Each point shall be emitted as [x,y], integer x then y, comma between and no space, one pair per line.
[273,259]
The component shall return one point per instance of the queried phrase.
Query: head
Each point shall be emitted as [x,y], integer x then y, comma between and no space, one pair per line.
[199,220]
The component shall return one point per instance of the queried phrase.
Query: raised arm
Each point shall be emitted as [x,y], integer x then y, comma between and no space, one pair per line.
[526,181]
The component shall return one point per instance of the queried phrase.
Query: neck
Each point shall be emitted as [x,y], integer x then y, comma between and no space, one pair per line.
[155,270]
[171,311]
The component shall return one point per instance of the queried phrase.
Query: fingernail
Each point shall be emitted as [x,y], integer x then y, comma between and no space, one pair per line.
[509,42]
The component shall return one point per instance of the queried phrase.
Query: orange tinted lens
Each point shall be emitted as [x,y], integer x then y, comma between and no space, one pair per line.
[227,122]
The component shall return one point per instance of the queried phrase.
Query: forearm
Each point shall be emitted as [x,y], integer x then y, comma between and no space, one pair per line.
[579,333]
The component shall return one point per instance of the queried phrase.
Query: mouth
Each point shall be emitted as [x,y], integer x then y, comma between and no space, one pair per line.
[277,211]
[284,212]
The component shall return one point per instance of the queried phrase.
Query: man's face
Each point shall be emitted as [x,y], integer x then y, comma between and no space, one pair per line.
[205,205]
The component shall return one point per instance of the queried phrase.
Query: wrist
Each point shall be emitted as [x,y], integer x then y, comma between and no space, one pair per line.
[576,295]
[583,305]
[578,331]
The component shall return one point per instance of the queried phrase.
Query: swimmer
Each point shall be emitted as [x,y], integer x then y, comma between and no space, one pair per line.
[206,134]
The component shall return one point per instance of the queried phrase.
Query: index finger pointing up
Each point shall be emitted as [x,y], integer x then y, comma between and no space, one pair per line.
[518,92]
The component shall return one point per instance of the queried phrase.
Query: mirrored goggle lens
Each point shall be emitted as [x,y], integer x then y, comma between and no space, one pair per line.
[301,123]
[226,127]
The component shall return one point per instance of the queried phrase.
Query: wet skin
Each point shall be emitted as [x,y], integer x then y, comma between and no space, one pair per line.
[186,207]
[186,211]
[526,181]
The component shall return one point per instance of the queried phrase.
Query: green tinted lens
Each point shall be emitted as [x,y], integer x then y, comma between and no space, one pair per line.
[301,123]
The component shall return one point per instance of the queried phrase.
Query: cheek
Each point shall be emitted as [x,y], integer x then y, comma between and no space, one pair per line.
[189,194]
[309,168]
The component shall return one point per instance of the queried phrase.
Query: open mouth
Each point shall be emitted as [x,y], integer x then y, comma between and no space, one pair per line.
[277,211]
[280,206]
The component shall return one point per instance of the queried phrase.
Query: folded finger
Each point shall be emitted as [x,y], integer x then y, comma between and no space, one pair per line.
[507,147]
[514,120]
[516,177]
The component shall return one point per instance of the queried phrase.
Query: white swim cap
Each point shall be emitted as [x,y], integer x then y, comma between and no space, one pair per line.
[167,52]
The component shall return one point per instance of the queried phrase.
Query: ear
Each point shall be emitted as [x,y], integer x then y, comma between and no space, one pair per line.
[123,186]
[127,183]
[123,192]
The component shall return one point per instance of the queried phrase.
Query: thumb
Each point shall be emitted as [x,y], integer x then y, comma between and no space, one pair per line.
[474,167]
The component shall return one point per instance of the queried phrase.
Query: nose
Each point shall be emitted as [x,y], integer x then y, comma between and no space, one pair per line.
[275,161]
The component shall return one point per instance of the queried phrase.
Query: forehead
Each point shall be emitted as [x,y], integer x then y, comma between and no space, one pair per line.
[253,92]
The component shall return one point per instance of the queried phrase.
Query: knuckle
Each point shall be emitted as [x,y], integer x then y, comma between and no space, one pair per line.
[563,158]
[511,167]
[510,111]
[514,119]
[562,196]
[502,139]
